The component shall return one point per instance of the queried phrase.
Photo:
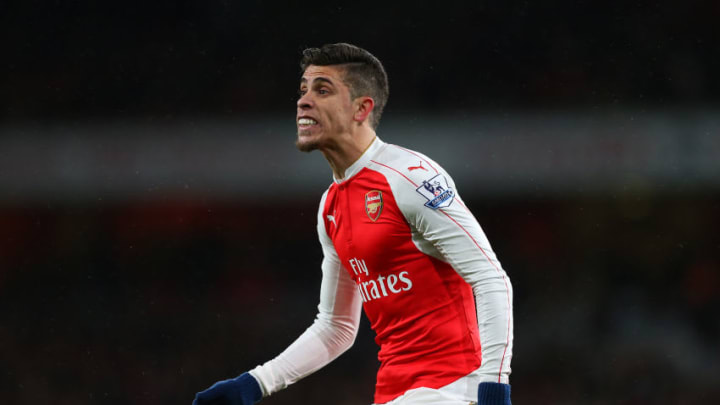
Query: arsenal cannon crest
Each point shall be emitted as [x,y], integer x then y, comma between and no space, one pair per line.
[373,204]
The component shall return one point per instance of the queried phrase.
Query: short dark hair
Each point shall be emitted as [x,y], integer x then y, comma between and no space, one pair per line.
[364,74]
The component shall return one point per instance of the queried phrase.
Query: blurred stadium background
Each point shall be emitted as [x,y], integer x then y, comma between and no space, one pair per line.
[157,225]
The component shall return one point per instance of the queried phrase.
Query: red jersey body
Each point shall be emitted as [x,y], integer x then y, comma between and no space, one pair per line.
[399,242]
[422,311]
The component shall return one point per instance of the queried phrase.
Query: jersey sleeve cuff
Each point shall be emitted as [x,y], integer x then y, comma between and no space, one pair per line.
[263,390]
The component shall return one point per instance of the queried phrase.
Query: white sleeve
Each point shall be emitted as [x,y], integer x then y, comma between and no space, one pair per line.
[452,234]
[332,333]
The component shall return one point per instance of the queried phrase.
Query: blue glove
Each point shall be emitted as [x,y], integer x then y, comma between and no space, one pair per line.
[490,393]
[241,390]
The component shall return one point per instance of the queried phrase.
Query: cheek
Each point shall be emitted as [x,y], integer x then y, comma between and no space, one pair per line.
[339,116]
[347,111]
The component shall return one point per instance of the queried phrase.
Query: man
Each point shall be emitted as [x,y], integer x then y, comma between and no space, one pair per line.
[398,241]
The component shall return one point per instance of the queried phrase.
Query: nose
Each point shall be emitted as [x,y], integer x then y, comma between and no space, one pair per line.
[305,101]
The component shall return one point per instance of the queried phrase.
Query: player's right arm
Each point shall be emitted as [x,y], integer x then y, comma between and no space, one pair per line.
[332,333]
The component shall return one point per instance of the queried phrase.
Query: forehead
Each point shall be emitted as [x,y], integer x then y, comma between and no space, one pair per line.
[334,74]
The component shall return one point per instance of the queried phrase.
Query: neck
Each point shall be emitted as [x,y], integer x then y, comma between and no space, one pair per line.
[348,149]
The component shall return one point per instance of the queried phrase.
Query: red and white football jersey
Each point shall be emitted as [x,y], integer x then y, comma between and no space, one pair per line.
[398,240]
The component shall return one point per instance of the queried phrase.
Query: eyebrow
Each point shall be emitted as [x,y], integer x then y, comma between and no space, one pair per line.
[321,79]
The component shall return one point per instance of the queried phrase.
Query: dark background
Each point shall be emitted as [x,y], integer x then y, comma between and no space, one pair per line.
[147,298]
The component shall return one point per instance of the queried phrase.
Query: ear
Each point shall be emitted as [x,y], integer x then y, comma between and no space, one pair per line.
[363,108]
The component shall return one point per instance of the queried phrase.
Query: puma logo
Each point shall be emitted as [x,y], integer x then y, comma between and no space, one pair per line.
[411,168]
[331,218]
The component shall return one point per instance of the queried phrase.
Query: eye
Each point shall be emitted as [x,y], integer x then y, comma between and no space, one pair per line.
[323,91]
[301,92]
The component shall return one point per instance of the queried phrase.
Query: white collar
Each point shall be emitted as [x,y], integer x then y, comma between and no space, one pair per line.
[362,161]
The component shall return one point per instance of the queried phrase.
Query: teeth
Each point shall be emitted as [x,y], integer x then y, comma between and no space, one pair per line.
[307,121]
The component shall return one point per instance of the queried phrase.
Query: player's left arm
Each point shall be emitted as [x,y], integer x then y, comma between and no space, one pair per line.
[445,227]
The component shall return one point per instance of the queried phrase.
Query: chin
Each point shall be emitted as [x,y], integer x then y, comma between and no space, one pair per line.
[308,145]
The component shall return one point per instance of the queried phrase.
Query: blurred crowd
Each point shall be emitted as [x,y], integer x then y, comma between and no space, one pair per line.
[170,59]
[616,299]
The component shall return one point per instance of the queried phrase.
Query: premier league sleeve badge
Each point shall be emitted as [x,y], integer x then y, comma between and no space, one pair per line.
[437,192]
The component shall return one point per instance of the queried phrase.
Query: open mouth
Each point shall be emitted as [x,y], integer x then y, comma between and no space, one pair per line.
[306,123]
